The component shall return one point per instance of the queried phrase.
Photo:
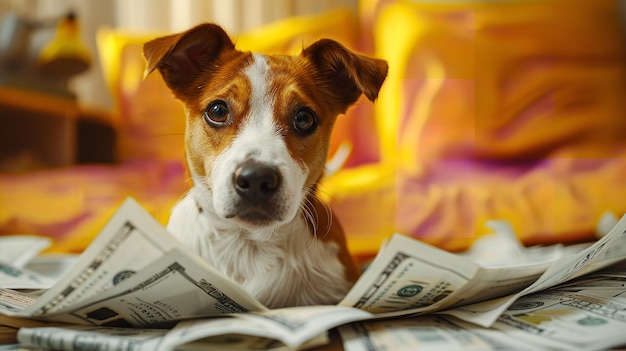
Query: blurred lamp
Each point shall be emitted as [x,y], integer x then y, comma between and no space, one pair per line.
[65,54]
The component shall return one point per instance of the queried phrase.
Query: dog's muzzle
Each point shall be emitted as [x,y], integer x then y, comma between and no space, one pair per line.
[257,185]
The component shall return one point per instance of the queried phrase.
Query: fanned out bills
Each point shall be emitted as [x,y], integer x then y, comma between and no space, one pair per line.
[135,274]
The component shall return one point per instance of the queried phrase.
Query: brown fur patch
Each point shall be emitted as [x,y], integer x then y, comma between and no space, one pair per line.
[293,88]
[229,84]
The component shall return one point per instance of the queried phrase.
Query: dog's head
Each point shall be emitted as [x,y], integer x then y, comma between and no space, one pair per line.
[258,126]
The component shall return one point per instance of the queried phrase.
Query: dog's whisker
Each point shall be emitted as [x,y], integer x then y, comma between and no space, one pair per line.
[308,217]
[329,212]
[307,213]
[310,212]
[329,215]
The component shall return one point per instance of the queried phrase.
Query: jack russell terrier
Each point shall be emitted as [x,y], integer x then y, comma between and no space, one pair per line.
[256,140]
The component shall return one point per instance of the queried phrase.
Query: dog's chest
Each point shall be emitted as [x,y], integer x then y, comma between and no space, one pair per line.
[294,269]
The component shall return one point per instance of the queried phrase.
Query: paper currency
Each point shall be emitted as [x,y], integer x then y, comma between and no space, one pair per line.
[90,338]
[603,253]
[12,277]
[411,277]
[588,314]
[18,250]
[293,327]
[52,266]
[136,274]
[123,248]
[423,333]
[133,244]
[193,289]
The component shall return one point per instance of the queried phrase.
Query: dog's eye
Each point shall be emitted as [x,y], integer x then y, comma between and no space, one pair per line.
[305,121]
[217,114]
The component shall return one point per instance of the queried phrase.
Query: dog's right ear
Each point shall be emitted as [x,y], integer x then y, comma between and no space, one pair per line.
[181,57]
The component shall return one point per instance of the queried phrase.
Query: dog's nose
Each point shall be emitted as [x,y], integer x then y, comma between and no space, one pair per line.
[255,181]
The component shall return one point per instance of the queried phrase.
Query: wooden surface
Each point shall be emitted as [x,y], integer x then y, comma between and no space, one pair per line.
[39,103]
[8,335]
[39,130]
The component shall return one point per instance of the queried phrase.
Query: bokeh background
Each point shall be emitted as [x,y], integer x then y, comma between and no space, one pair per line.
[500,109]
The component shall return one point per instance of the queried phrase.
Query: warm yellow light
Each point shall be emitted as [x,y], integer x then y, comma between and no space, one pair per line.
[66,54]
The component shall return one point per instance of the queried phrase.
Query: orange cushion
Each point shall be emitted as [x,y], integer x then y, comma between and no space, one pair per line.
[493,110]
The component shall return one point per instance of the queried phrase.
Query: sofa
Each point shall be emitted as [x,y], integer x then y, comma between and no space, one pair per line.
[491,110]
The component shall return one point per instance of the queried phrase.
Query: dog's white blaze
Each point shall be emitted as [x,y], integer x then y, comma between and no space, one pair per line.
[260,123]
[259,138]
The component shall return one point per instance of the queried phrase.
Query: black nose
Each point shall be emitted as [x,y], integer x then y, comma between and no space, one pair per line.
[255,181]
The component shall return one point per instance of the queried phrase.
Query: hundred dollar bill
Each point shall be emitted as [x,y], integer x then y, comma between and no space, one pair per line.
[431,332]
[280,329]
[18,250]
[409,277]
[13,277]
[588,314]
[89,338]
[294,327]
[176,286]
[130,241]
[132,249]
[603,253]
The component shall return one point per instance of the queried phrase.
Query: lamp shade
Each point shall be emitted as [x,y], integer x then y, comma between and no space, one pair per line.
[65,54]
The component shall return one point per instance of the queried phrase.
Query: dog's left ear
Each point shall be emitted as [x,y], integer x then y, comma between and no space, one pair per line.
[180,57]
[346,74]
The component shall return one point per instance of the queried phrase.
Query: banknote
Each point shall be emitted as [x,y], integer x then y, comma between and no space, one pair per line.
[135,274]
[131,255]
[609,250]
[89,338]
[293,327]
[13,277]
[18,250]
[174,287]
[589,314]
[424,333]
[411,277]
[130,241]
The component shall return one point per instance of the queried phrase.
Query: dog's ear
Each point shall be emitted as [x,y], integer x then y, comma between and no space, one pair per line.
[180,57]
[346,74]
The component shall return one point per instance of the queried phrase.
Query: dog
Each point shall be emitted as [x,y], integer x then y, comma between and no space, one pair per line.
[256,142]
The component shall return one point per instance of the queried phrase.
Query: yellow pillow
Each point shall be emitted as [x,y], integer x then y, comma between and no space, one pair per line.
[492,110]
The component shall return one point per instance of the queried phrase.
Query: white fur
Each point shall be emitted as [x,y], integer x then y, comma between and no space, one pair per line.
[281,264]
[259,139]
[293,269]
